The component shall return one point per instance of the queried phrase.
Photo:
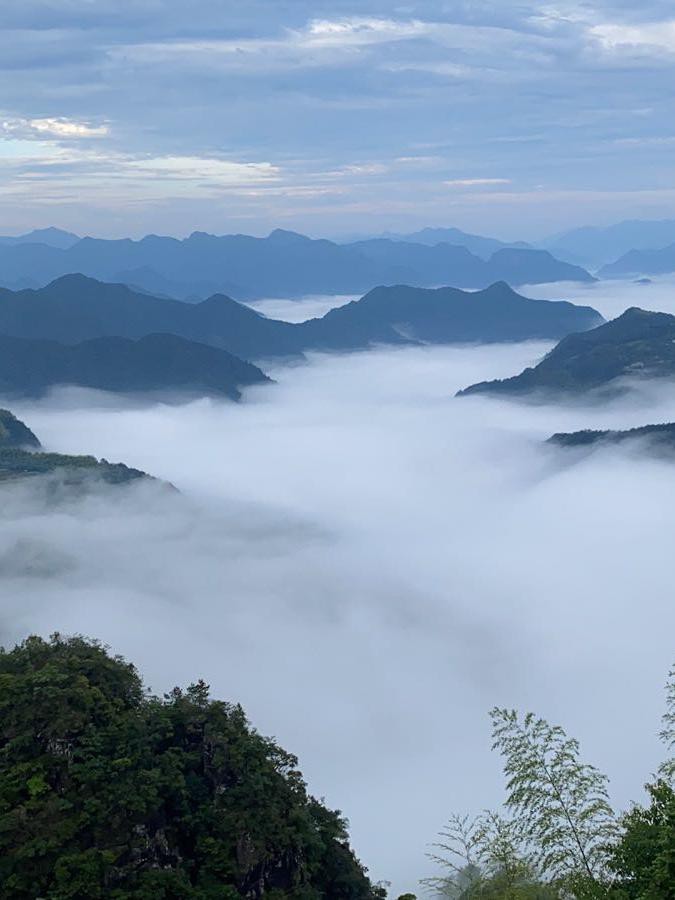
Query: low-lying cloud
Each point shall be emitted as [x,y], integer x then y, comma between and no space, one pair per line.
[368,565]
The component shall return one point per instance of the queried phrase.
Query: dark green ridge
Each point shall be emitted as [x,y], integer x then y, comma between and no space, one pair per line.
[636,345]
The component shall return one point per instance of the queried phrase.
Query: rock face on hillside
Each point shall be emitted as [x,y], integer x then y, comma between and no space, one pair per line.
[636,345]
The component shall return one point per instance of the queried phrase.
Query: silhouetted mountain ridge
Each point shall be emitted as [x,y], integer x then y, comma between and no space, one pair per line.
[596,246]
[450,315]
[642,262]
[477,244]
[163,363]
[14,434]
[51,237]
[637,344]
[284,264]
[75,308]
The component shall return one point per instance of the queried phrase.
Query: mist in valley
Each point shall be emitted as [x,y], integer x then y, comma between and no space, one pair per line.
[611,298]
[368,564]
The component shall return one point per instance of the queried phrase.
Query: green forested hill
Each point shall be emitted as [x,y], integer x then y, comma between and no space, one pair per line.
[109,792]
[21,456]
[637,344]
[656,438]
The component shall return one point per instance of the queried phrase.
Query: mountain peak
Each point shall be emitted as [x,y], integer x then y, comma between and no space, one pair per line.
[74,279]
[499,287]
[13,432]
[282,235]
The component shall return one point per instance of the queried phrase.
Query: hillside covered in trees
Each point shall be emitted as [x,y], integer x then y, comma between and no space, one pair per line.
[21,456]
[557,836]
[109,792]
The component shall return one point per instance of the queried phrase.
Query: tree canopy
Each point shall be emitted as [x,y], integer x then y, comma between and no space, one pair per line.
[558,838]
[109,791]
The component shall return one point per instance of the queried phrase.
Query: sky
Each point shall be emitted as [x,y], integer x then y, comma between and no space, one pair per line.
[518,119]
[369,564]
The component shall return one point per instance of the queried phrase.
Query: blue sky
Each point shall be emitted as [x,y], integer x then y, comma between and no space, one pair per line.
[512,118]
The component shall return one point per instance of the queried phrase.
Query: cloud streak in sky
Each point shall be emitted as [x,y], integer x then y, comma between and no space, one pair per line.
[311,89]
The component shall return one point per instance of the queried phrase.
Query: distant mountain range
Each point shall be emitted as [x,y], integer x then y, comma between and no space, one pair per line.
[656,438]
[284,264]
[21,457]
[76,309]
[481,246]
[594,247]
[287,264]
[642,262]
[636,345]
[156,363]
[52,237]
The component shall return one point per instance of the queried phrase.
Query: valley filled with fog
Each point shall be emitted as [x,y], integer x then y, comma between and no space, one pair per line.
[611,298]
[369,564]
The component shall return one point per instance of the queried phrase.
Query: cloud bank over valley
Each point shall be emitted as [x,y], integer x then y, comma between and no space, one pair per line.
[368,564]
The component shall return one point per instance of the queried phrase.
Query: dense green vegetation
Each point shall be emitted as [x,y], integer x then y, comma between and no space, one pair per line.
[657,438]
[18,459]
[109,792]
[558,837]
[17,463]
[637,344]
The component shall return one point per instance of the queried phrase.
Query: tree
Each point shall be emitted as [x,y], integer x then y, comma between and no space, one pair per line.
[560,804]
[643,860]
[109,792]
[481,858]
[560,838]
[668,730]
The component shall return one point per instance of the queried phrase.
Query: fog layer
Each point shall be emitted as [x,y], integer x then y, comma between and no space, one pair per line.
[368,565]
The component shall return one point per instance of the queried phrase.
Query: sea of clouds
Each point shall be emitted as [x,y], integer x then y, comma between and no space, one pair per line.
[368,565]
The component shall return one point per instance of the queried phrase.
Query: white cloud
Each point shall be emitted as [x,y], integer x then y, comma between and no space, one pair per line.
[365,169]
[56,127]
[321,42]
[359,31]
[66,128]
[444,69]
[475,182]
[343,41]
[647,141]
[15,151]
[655,36]
[199,168]
[73,173]
[421,161]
